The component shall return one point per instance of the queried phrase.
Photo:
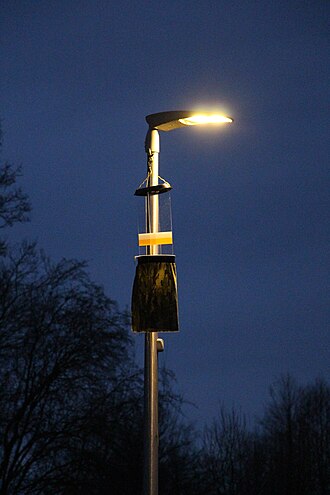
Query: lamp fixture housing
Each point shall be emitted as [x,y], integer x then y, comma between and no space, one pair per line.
[168,121]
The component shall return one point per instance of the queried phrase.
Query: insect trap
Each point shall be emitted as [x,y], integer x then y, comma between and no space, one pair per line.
[154,296]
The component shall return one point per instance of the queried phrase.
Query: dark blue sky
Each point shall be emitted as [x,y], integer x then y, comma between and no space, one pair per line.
[250,202]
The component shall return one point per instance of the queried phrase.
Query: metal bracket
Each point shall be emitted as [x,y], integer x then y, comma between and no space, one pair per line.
[160,345]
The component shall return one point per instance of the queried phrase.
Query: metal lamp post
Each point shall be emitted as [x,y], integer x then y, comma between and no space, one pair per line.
[164,121]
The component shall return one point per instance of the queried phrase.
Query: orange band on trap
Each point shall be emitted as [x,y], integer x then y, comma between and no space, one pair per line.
[155,238]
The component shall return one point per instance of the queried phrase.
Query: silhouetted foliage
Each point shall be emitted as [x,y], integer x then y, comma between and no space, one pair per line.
[14,204]
[226,454]
[178,456]
[296,429]
[63,347]
[289,454]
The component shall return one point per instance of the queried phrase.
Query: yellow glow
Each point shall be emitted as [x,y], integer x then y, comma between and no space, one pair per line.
[200,119]
[156,238]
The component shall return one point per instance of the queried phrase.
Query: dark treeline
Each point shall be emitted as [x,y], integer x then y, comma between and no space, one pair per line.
[287,454]
[71,403]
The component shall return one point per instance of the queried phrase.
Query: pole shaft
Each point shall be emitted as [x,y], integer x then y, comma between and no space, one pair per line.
[151,415]
[151,438]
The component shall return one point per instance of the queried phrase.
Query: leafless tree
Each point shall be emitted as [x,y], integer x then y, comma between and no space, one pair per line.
[226,453]
[296,433]
[14,203]
[63,343]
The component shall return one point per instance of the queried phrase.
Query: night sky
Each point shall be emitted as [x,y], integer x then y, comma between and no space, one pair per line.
[250,201]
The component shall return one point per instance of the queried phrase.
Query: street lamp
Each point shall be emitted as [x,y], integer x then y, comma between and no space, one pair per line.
[154,297]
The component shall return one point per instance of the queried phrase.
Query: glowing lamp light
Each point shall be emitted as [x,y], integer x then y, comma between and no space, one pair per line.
[167,121]
[206,119]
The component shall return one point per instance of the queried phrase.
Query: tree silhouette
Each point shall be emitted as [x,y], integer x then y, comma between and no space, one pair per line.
[226,453]
[62,344]
[14,204]
[295,439]
[288,454]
